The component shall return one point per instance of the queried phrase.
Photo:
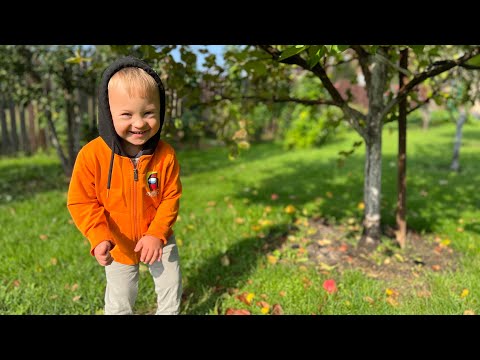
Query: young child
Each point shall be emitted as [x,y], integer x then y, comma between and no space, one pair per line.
[125,189]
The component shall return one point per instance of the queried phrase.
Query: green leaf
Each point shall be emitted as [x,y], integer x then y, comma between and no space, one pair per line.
[315,58]
[342,48]
[474,61]
[417,49]
[258,67]
[291,51]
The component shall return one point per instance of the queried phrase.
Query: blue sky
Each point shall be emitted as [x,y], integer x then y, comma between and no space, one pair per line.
[214,49]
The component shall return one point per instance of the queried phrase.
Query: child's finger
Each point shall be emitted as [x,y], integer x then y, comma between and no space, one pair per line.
[138,247]
[148,256]
[154,257]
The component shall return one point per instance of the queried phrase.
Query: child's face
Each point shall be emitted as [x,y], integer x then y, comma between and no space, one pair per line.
[136,119]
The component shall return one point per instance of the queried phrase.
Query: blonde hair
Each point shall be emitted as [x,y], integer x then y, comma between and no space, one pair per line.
[136,81]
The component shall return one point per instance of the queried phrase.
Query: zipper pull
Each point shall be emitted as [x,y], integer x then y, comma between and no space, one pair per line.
[135,174]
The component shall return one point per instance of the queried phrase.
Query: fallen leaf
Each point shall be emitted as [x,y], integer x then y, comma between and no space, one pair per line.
[282,293]
[231,311]
[445,242]
[369,299]
[424,294]
[76,298]
[330,286]
[343,248]
[74,287]
[324,242]
[211,203]
[464,293]
[16,283]
[469,312]
[264,296]
[329,194]
[246,298]
[460,229]
[436,267]
[326,267]
[277,309]
[224,260]
[390,300]
[239,220]
[361,205]
[43,237]
[264,310]
[274,197]
[289,209]
[53,261]
[272,259]
[263,304]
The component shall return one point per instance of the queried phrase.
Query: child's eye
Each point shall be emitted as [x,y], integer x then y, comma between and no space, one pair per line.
[125,114]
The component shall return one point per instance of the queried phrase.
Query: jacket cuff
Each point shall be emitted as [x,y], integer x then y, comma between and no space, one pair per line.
[159,231]
[98,236]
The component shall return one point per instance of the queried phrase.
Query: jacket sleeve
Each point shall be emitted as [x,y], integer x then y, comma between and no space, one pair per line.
[167,211]
[82,202]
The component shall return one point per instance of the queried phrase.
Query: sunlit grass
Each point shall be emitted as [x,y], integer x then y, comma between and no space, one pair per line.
[228,213]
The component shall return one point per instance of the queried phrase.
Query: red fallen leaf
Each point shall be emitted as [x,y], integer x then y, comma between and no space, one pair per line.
[436,267]
[343,248]
[245,297]
[330,286]
[231,311]
[263,304]
[277,309]
[275,197]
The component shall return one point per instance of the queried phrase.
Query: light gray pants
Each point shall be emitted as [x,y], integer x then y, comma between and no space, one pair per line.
[122,284]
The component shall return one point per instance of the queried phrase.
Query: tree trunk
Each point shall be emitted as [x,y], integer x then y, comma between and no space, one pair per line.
[373,158]
[372,191]
[6,146]
[455,166]
[67,168]
[23,132]
[31,128]
[425,118]
[13,126]
[401,233]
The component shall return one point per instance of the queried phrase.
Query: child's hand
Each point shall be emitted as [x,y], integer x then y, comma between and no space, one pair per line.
[102,253]
[152,249]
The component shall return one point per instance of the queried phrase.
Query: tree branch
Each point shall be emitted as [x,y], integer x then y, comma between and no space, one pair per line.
[437,68]
[363,59]
[353,117]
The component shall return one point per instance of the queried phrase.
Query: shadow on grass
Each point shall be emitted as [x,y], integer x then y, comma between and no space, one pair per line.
[199,161]
[22,180]
[434,193]
[216,279]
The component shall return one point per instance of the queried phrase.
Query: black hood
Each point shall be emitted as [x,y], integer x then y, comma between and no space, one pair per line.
[105,122]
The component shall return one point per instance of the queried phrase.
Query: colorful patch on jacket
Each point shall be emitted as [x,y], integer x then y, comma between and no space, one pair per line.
[152,183]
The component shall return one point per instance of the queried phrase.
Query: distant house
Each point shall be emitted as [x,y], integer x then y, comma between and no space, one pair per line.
[354,93]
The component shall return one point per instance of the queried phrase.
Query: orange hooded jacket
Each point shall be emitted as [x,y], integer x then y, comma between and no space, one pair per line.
[111,198]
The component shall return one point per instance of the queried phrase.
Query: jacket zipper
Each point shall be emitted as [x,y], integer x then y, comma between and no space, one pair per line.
[134,202]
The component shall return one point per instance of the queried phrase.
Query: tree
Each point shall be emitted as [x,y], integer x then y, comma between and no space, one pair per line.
[378,65]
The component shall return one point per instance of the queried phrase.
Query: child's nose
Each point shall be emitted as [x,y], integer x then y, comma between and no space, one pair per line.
[138,122]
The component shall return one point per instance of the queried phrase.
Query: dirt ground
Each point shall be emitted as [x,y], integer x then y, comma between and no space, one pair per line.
[334,247]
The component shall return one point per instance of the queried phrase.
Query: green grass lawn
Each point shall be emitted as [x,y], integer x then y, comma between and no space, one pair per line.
[228,213]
